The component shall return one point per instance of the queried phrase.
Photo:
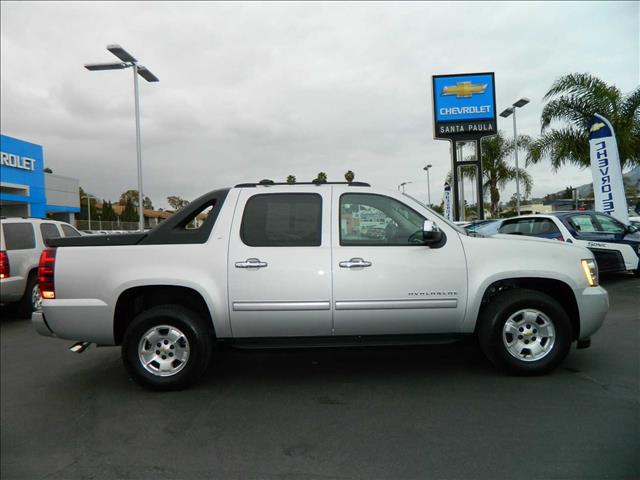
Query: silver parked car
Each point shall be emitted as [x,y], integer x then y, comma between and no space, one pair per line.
[21,242]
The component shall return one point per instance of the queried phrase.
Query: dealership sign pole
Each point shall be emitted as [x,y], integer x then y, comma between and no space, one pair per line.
[608,184]
[464,110]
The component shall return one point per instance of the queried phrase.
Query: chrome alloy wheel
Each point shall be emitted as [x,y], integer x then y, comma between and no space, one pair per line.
[163,350]
[36,299]
[528,335]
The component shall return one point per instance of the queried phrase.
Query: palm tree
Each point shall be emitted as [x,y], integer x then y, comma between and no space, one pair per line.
[321,178]
[349,176]
[496,172]
[574,99]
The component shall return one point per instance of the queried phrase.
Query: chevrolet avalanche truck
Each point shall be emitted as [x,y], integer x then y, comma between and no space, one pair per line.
[309,265]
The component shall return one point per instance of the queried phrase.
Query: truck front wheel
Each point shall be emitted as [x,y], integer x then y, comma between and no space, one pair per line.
[167,347]
[525,332]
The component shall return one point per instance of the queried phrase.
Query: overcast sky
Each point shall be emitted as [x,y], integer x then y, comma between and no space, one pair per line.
[262,90]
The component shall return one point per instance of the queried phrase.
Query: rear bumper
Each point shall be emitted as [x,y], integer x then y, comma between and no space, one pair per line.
[86,320]
[12,289]
[593,304]
[40,324]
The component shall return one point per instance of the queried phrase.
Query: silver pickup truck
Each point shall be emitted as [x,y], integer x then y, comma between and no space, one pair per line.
[315,265]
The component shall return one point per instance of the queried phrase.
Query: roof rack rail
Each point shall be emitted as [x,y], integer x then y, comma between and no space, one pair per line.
[268,183]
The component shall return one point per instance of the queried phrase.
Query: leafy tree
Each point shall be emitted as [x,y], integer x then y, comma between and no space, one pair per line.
[497,173]
[349,176]
[291,179]
[130,212]
[438,208]
[176,202]
[572,100]
[568,192]
[108,213]
[83,215]
[133,195]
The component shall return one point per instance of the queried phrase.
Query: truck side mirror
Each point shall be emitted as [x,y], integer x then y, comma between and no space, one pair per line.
[432,235]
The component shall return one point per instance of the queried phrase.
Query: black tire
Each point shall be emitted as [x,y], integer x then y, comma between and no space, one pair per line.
[198,333]
[25,307]
[494,316]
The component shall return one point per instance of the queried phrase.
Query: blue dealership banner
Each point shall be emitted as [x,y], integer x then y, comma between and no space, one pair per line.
[608,185]
[464,105]
[446,199]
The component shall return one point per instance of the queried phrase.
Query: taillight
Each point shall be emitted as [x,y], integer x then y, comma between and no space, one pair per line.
[45,273]
[4,265]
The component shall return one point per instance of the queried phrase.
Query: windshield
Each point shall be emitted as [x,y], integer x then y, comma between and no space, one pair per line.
[440,217]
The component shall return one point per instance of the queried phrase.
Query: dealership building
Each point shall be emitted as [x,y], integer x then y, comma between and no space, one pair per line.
[26,190]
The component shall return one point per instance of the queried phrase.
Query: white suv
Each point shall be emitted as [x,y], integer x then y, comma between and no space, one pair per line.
[21,242]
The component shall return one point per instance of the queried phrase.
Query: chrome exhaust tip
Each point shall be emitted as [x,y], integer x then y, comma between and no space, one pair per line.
[79,347]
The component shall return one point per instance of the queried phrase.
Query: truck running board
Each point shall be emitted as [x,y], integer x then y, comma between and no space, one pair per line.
[79,347]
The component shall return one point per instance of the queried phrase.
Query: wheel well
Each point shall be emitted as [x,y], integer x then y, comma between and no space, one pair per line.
[556,289]
[133,301]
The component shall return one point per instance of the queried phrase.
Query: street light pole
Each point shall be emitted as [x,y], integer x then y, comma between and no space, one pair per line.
[138,150]
[402,185]
[505,113]
[89,208]
[515,150]
[128,61]
[428,185]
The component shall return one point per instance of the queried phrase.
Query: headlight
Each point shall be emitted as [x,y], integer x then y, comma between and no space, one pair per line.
[590,269]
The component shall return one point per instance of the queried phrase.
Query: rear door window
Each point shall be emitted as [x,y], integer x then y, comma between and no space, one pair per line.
[49,230]
[18,236]
[282,220]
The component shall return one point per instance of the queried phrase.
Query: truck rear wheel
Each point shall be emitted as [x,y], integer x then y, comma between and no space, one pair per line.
[525,332]
[167,347]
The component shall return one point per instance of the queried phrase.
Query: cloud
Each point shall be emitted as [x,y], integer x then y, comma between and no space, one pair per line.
[261,90]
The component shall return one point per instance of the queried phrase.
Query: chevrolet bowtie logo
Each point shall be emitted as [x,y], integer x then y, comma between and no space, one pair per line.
[464,89]
[597,126]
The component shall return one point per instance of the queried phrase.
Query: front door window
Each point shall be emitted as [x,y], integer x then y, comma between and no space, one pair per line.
[376,220]
[610,225]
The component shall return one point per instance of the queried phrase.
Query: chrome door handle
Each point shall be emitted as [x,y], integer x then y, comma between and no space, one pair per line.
[251,263]
[355,262]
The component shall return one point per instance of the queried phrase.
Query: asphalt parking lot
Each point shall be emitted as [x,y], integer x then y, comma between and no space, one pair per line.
[414,413]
